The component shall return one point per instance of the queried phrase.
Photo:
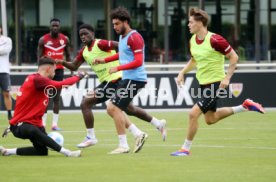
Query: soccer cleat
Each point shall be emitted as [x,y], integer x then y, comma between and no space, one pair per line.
[76,153]
[181,152]
[3,151]
[139,142]
[87,142]
[163,129]
[120,150]
[253,106]
[56,128]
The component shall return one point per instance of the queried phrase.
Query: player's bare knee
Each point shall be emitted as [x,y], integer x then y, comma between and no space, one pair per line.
[87,104]
[110,109]
[83,105]
[210,120]
[130,110]
[192,116]
[6,94]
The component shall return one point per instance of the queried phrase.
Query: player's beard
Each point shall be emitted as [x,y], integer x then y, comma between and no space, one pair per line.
[123,30]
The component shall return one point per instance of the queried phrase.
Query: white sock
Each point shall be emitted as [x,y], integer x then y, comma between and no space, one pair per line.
[11,151]
[187,145]
[44,119]
[134,130]
[155,122]
[123,141]
[65,151]
[237,109]
[90,133]
[55,119]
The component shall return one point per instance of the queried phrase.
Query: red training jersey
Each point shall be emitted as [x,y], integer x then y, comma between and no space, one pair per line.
[55,47]
[32,99]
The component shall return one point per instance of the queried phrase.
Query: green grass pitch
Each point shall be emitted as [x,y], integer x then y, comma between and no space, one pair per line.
[241,148]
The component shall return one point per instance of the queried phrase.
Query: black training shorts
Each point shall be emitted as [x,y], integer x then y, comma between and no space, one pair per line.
[126,91]
[5,81]
[208,97]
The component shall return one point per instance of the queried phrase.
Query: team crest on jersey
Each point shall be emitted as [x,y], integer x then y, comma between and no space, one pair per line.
[61,42]
[49,43]
[236,89]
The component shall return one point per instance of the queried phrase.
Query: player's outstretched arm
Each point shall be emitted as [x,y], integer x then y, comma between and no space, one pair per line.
[107,59]
[43,82]
[73,66]
[138,61]
[108,45]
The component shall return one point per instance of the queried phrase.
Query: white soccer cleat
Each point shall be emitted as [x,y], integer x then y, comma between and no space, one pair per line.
[163,129]
[139,142]
[120,150]
[3,151]
[76,153]
[87,142]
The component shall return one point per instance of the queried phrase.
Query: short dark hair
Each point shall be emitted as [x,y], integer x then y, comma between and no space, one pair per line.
[88,27]
[45,60]
[54,19]
[120,13]
[200,15]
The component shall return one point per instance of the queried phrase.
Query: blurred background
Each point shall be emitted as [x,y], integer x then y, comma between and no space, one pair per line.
[248,25]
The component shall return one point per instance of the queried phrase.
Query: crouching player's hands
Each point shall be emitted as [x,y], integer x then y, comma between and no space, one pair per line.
[6,132]
[82,74]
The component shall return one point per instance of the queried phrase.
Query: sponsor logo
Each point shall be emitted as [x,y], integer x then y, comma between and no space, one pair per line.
[54,53]
[49,43]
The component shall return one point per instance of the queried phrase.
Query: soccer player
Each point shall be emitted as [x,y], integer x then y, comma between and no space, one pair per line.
[5,81]
[32,100]
[97,48]
[131,57]
[54,45]
[208,51]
